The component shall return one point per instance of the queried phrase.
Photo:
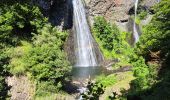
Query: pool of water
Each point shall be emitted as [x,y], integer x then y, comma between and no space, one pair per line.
[84,73]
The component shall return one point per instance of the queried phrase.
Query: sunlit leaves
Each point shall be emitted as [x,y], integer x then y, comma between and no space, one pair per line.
[111,41]
[19,20]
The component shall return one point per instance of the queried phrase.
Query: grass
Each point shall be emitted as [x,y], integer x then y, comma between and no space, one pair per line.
[106,80]
[123,80]
[49,97]
[58,96]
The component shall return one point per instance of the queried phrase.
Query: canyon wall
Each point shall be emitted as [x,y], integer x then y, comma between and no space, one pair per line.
[60,13]
[114,10]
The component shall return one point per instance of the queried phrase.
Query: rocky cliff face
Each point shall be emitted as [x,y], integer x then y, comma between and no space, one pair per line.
[149,3]
[59,12]
[114,10]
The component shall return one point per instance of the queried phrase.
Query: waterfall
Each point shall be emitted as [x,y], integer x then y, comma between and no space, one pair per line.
[135,32]
[84,47]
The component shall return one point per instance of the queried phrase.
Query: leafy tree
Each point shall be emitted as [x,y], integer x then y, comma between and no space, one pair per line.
[3,88]
[93,92]
[152,80]
[106,33]
[4,58]
[30,46]
[156,35]
[18,21]
[112,42]
[44,60]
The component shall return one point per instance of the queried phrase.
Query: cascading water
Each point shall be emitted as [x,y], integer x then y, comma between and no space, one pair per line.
[84,49]
[135,32]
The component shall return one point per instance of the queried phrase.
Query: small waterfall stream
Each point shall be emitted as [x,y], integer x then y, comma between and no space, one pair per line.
[84,47]
[135,31]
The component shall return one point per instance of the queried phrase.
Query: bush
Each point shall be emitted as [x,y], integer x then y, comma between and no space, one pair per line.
[93,92]
[142,15]
[18,21]
[106,33]
[3,88]
[30,46]
[112,42]
[4,71]
[47,88]
[106,80]
[44,60]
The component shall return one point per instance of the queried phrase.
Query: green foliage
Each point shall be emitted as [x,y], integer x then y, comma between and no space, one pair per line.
[141,82]
[4,58]
[17,66]
[30,46]
[44,60]
[106,33]
[47,88]
[49,42]
[145,75]
[3,88]
[17,21]
[106,80]
[3,72]
[156,36]
[112,42]
[93,92]
[143,14]
[151,82]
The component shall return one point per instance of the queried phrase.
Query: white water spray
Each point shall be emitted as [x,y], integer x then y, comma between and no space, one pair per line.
[135,32]
[84,49]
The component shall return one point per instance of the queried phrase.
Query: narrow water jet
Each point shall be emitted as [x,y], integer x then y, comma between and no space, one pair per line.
[84,42]
[135,31]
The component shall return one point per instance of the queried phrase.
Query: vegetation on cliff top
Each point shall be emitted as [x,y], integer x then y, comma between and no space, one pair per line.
[30,46]
[112,42]
[151,54]
[154,47]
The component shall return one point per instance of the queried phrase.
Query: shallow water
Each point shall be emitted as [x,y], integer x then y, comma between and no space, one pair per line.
[84,73]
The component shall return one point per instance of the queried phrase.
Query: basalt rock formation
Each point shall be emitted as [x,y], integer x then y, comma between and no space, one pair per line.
[112,10]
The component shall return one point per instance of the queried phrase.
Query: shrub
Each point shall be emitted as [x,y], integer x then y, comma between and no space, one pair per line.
[93,91]
[112,42]
[106,80]
[18,21]
[3,88]
[143,14]
[44,60]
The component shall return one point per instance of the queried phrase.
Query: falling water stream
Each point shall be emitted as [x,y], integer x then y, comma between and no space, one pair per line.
[85,54]
[84,48]
[135,31]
